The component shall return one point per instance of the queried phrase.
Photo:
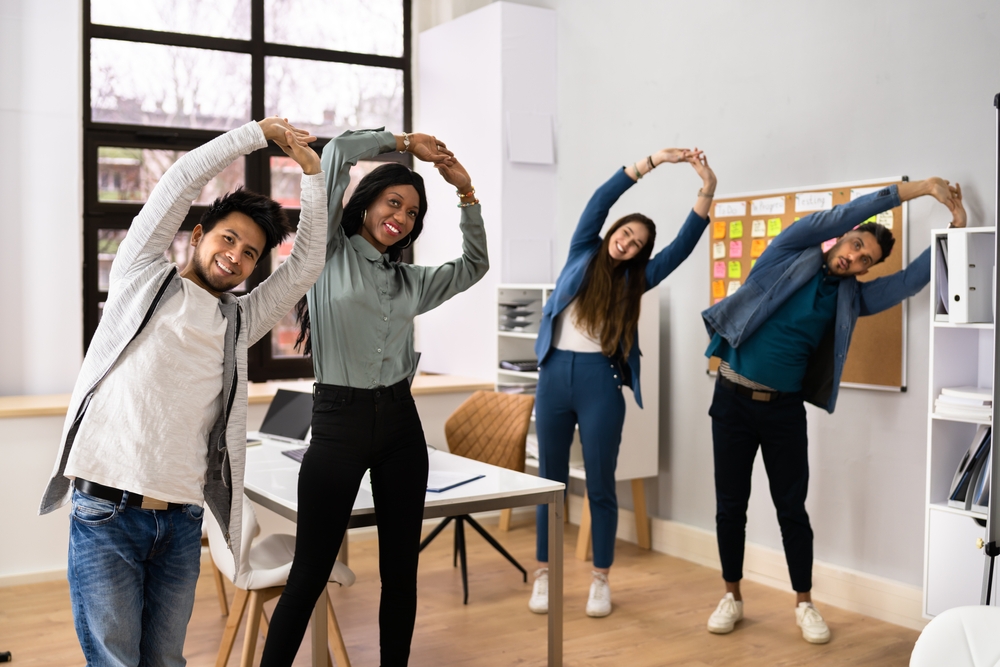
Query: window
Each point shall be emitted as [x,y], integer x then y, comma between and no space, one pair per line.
[165,76]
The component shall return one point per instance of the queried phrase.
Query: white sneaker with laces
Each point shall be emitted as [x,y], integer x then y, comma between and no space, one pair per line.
[539,602]
[814,628]
[599,602]
[724,618]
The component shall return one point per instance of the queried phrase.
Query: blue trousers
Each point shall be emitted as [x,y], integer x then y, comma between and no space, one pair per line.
[132,576]
[739,426]
[585,389]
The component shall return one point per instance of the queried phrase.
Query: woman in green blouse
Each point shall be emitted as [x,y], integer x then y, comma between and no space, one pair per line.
[361,311]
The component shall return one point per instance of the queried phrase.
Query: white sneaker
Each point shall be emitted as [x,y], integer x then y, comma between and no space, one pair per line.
[539,602]
[725,616]
[814,628]
[599,602]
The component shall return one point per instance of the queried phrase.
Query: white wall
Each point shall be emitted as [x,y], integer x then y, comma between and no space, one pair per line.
[41,340]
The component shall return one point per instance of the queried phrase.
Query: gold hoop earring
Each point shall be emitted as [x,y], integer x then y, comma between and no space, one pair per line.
[364,217]
[409,242]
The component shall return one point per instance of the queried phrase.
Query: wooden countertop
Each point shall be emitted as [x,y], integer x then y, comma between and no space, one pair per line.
[257,393]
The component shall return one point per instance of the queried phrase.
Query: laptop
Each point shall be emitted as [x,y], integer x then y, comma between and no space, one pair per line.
[288,418]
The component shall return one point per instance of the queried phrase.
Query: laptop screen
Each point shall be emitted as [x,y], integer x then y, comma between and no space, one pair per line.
[289,416]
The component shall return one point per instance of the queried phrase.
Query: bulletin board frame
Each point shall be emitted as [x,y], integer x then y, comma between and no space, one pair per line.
[878,339]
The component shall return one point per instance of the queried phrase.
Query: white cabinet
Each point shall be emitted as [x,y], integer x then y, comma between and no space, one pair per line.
[961,356]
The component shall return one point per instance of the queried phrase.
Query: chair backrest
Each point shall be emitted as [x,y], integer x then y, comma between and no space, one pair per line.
[959,637]
[221,554]
[491,427]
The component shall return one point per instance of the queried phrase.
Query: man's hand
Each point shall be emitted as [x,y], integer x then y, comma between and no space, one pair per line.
[959,217]
[274,130]
[297,148]
[454,173]
[426,148]
[671,155]
[699,161]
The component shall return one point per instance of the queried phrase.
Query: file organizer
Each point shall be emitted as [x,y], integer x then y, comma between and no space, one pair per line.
[970,277]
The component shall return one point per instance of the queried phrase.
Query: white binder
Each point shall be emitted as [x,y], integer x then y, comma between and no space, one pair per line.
[970,277]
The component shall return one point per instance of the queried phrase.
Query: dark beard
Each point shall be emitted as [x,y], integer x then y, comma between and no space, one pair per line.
[205,278]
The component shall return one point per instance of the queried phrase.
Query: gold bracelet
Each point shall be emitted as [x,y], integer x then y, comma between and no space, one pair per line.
[705,194]
[468,204]
[638,174]
[467,194]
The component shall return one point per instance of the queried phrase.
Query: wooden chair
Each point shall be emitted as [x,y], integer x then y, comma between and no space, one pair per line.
[264,568]
[490,427]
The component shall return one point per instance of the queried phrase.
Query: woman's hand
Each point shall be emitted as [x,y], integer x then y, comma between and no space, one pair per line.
[275,129]
[959,216]
[699,161]
[671,155]
[299,150]
[425,148]
[455,174]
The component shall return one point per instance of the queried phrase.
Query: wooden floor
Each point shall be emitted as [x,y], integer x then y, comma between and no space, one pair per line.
[661,605]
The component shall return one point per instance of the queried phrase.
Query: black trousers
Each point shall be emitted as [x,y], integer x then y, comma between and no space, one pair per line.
[739,426]
[354,430]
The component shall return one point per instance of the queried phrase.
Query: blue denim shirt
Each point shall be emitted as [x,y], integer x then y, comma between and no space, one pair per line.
[584,245]
[791,261]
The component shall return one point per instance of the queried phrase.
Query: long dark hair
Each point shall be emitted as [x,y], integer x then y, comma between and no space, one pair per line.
[367,191]
[608,303]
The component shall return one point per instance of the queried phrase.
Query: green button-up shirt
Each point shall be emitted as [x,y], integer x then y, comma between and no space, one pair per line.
[362,307]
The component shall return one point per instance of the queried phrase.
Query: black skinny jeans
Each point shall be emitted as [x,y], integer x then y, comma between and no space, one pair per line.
[739,426]
[354,430]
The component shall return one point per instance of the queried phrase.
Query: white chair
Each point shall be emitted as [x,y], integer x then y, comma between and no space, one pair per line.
[264,568]
[960,637]
[220,587]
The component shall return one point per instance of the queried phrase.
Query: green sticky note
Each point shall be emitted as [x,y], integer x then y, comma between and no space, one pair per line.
[874,218]
[752,263]
[774,226]
[735,270]
[736,229]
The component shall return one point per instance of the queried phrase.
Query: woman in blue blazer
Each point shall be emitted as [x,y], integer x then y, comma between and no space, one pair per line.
[588,348]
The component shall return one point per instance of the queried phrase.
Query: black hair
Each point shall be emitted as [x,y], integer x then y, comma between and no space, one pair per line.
[882,235]
[367,191]
[264,211]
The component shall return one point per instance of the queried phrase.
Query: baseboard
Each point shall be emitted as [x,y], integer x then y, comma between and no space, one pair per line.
[32,578]
[863,593]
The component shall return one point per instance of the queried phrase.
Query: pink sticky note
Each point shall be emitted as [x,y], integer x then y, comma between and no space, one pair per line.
[736,248]
[719,270]
[829,244]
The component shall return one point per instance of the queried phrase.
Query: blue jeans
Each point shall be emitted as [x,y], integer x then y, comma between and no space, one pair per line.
[582,388]
[132,577]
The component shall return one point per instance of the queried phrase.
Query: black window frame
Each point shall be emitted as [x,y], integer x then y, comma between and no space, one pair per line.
[262,365]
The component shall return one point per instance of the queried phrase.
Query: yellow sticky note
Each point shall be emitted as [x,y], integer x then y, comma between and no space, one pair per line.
[736,229]
[735,270]
[718,289]
[753,263]
[718,230]
[757,247]
[774,226]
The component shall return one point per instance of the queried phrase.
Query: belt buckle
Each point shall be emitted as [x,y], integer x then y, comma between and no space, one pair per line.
[761,396]
[153,504]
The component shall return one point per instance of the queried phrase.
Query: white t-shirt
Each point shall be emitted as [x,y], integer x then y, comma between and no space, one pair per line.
[569,336]
[146,428]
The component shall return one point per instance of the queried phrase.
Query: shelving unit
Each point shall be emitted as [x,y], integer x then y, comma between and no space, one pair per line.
[960,355]
[638,457]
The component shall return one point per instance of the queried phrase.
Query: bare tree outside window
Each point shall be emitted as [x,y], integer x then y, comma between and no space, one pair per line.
[337,24]
[218,18]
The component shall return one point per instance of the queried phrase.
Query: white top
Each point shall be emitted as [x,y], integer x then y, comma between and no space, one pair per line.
[146,429]
[569,336]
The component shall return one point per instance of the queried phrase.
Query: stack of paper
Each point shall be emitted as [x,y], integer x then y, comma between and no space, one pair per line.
[972,403]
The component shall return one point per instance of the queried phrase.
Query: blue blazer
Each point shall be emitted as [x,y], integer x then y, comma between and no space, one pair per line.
[791,261]
[584,245]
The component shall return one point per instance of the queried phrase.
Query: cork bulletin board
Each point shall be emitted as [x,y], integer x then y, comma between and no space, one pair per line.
[742,227]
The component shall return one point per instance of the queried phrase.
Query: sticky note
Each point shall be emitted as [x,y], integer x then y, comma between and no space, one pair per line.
[719,270]
[735,270]
[718,230]
[717,301]
[884,219]
[733,286]
[757,247]
[828,244]
[774,226]
[736,229]
[718,289]
[718,250]
[736,249]
[758,229]
[753,263]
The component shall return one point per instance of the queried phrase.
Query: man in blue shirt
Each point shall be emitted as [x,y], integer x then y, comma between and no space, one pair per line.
[782,339]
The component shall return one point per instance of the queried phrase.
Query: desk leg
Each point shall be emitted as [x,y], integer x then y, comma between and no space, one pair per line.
[556,580]
[320,652]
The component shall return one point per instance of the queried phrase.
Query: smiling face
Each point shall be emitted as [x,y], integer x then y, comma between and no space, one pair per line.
[627,241]
[225,255]
[390,218]
[854,254]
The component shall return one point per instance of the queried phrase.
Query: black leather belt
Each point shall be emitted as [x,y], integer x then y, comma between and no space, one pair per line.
[115,496]
[753,394]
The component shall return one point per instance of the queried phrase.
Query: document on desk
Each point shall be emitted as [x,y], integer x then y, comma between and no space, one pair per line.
[443,480]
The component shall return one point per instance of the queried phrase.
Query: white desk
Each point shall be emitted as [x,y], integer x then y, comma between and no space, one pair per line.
[272,481]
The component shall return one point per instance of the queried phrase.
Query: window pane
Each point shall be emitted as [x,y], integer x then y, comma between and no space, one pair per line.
[361,26]
[285,332]
[328,98]
[286,180]
[219,18]
[173,86]
[108,241]
[129,174]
